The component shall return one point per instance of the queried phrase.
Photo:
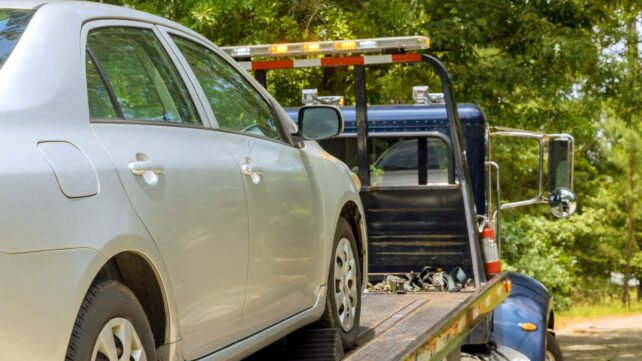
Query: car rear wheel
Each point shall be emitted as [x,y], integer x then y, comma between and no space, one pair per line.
[111,326]
[343,301]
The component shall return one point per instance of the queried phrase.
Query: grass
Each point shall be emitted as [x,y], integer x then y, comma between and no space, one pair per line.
[611,307]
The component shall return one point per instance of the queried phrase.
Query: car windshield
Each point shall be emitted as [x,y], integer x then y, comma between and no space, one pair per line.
[12,24]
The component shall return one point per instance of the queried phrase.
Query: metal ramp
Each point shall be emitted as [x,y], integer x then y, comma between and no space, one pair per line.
[412,326]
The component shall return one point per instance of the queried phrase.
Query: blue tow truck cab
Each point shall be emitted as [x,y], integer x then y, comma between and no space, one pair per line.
[424,118]
[529,302]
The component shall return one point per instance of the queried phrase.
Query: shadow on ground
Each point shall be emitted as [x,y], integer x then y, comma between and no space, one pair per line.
[603,340]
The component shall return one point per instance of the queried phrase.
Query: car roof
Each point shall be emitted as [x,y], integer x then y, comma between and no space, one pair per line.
[93,10]
[41,77]
[22,4]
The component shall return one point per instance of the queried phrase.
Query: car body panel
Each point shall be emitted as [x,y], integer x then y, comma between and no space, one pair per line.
[74,172]
[197,214]
[54,283]
[285,232]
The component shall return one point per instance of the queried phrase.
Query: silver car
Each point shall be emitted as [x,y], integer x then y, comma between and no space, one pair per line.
[156,201]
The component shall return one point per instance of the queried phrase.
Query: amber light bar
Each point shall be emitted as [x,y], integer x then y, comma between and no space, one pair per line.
[330,47]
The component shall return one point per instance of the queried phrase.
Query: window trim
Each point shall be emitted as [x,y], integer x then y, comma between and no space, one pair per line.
[167,34]
[110,91]
[182,125]
[175,62]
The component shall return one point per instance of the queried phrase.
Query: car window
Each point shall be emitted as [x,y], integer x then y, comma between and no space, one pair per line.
[13,23]
[235,103]
[142,78]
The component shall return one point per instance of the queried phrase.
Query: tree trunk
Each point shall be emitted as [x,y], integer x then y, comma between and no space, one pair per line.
[632,62]
[626,297]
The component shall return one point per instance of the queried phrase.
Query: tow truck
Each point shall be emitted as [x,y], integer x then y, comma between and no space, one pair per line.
[445,220]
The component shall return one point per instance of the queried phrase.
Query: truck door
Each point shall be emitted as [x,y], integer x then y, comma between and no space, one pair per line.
[285,219]
[180,178]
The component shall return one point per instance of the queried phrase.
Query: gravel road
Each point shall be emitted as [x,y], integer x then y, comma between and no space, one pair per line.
[602,339]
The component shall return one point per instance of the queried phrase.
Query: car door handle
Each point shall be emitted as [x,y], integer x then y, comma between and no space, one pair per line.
[251,169]
[141,167]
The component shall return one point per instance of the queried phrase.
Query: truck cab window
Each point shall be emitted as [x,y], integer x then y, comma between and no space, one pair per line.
[397,163]
[394,161]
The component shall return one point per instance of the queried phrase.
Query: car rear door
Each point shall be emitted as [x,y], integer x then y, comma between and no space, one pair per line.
[184,184]
[286,259]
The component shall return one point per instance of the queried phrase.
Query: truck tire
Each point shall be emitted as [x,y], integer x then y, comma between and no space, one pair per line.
[109,312]
[553,350]
[343,299]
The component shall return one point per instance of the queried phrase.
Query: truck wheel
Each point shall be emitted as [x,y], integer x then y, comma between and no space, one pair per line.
[553,351]
[111,325]
[343,300]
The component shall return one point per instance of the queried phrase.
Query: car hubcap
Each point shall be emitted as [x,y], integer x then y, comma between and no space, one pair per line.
[118,341]
[345,284]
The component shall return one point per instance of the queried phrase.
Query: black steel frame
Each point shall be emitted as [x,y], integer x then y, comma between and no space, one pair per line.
[456,140]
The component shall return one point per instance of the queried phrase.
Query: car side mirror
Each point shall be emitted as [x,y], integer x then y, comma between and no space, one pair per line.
[561,198]
[318,122]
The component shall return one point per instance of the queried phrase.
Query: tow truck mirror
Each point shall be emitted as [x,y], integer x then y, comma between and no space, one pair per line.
[560,162]
[561,198]
[559,194]
[562,202]
[318,122]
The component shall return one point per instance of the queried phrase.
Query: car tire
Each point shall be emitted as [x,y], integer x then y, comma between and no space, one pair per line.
[110,313]
[553,350]
[343,304]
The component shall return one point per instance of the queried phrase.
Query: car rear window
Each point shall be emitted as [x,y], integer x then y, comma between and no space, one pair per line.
[12,24]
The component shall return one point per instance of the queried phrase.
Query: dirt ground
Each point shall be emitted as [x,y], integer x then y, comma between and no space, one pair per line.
[602,339]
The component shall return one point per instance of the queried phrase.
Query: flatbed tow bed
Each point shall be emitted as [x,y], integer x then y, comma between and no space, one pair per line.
[422,325]
[411,326]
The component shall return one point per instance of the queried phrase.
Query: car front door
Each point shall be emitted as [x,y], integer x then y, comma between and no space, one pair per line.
[283,196]
[184,184]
